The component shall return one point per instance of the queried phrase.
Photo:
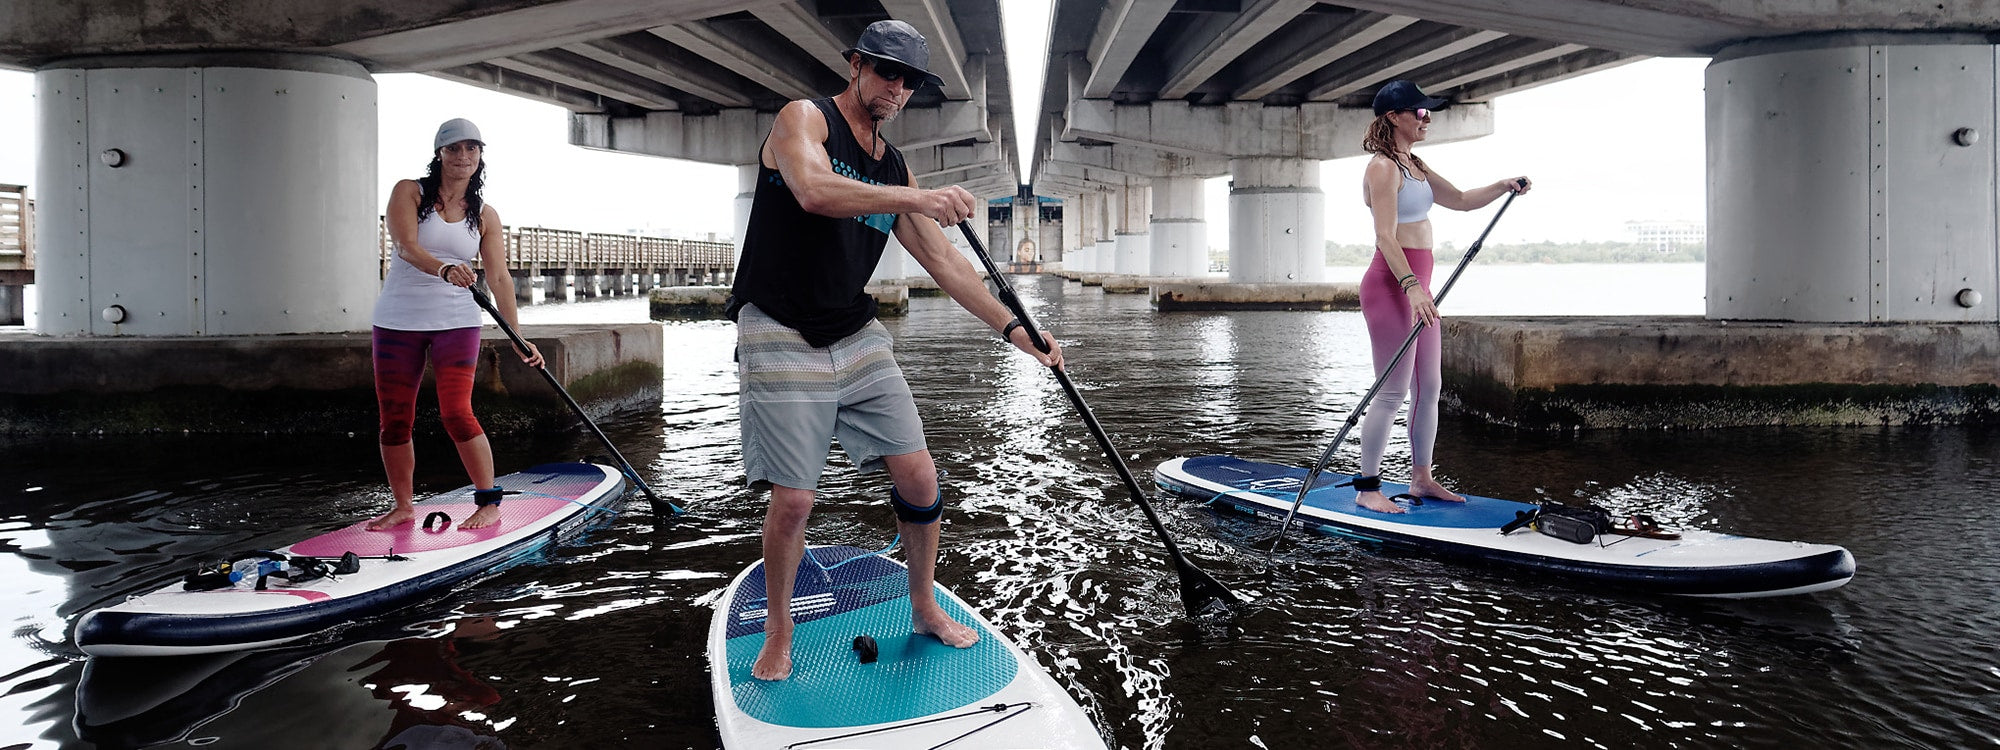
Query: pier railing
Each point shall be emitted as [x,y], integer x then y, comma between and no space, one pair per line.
[17,229]
[538,251]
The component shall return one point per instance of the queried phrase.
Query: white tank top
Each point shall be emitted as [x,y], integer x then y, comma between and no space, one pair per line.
[416,301]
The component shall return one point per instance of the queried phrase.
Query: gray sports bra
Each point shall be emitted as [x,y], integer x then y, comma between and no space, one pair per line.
[1413,202]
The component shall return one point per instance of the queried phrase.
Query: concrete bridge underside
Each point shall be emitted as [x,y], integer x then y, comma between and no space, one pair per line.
[1852,164]
[214,110]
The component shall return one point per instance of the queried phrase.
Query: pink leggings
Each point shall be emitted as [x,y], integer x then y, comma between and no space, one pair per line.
[399,371]
[1386,308]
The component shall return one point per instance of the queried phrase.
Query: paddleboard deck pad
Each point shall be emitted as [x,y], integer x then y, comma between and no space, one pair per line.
[918,693]
[1699,563]
[556,501]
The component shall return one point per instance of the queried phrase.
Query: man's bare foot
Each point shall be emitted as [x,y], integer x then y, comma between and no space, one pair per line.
[936,624]
[1375,501]
[774,662]
[401,515]
[1435,491]
[481,518]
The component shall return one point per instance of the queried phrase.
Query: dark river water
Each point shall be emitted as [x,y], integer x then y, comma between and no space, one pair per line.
[602,643]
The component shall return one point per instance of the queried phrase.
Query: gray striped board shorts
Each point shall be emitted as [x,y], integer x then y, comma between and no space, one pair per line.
[794,398]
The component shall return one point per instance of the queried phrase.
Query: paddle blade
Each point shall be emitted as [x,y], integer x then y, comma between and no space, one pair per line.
[1205,597]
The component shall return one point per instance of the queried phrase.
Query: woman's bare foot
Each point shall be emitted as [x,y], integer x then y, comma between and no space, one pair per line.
[482,518]
[1429,488]
[402,514]
[1375,501]
[936,624]
[774,661]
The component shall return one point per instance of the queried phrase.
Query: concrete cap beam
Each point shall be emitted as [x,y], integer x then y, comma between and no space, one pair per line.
[730,136]
[1138,160]
[1314,130]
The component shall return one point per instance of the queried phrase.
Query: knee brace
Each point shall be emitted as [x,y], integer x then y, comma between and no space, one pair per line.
[911,514]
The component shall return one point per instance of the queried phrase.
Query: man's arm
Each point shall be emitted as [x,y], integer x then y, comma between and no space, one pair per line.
[797,149]
[956,276]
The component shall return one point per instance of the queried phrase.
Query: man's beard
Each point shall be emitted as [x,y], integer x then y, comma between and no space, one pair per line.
[883,112]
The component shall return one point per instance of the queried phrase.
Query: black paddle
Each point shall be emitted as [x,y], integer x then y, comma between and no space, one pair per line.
[1355,416]
[479,296]
[1200,592]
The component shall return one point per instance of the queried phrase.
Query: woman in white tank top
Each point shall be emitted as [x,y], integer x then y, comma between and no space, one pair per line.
[440,225]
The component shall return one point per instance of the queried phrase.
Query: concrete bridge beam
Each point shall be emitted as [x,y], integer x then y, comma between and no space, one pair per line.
[206,194]
[1853,182]
[1277,221]
[1238,130]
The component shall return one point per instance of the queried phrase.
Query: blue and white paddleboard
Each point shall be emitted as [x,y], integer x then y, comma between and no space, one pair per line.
[555,502]
[919,693]
[1699,563]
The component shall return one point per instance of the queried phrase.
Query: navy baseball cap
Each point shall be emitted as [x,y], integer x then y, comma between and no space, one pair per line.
[897,42]
[1404,95]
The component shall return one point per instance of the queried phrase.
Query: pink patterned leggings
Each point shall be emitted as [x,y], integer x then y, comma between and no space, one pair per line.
[1386,308]
[399,371]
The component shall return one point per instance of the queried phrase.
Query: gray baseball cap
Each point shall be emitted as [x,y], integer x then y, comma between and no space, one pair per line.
[898,42]
[455,130]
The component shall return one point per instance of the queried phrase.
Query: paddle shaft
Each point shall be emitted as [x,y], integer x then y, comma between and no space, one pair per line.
[1354,417]
[479,295]
[1197,587]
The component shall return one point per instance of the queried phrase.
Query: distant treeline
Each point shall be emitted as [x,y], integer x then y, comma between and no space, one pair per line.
[1338,254]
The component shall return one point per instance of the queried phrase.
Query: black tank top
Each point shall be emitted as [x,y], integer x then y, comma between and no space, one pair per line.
[808,271]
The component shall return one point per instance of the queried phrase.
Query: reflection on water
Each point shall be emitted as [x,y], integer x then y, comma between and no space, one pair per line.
[601,644]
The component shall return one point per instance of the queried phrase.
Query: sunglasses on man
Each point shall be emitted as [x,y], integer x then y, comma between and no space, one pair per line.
[891,71]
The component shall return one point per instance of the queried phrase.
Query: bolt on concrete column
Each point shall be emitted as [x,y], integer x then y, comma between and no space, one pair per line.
[1277,221]
[1180,227]
[1135,255]
[1804,224]
[207,194]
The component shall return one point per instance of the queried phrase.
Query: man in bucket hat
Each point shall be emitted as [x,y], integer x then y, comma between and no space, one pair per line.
[813,363]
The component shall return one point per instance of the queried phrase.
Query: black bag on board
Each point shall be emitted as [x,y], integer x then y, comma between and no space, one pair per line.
[1572,524]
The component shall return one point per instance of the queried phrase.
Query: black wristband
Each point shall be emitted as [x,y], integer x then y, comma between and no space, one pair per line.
[1007,334]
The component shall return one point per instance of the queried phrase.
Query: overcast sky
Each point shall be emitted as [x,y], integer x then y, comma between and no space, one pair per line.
[1606,148]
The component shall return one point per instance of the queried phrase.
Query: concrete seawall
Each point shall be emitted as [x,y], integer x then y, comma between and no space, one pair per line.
[305,384]
[1689,372]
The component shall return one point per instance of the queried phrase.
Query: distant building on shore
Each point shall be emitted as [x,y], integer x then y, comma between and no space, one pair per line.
[1668,236]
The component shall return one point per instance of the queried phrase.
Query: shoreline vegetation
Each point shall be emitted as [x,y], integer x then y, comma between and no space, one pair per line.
[1338,254]
[1342,254]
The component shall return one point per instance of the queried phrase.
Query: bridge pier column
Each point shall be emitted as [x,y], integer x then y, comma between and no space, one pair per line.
[1180,227]
[746,194]
[1135,256]
[1082,243]
[1277,221]
[1110,209]
[524,285]
[1853,183]
[13,307]
[206,194]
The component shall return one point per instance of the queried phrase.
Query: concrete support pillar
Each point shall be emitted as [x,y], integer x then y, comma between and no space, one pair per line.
[895,264]
[1853,183]
[1180,227]
[1277,221]
[13,311]
[1110,210]
[1084,248]
[1135,255]
[1000,233]
[1049,234]
[1072,216]
[746,194]
[207,194]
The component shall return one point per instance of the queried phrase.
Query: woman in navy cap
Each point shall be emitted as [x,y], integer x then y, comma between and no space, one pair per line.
[1399,189]
[440,224]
